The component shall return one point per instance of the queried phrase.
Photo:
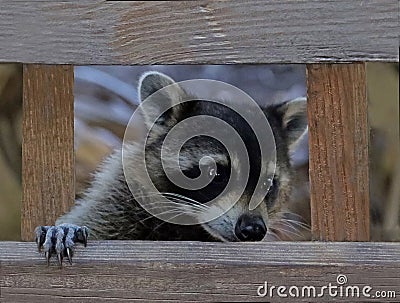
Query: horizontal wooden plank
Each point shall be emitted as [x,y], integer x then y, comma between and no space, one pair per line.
[195,271]
[116,32]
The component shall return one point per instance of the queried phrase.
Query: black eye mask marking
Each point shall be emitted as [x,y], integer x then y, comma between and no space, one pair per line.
[220,180]
[220,175]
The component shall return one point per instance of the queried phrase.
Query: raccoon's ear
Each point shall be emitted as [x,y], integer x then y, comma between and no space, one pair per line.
[150,83]
[294,120]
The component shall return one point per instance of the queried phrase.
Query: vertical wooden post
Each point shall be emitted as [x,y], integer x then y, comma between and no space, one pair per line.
[47,145]
[338,143]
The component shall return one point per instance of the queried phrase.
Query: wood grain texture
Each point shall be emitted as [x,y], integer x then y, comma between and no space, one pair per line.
[338,143]
[194,271]
[47,145]
[134,32]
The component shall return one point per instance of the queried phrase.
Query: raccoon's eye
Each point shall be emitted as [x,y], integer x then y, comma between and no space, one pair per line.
[220,174]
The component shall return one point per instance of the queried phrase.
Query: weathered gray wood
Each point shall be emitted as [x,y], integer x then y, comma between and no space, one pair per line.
[194,271]
[116,32]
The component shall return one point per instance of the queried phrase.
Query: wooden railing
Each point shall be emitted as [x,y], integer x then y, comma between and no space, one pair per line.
[334,39]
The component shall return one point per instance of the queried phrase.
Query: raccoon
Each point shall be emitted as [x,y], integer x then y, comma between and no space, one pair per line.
[108,210]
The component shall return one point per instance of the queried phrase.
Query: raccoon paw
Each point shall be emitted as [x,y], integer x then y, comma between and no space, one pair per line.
[60,240]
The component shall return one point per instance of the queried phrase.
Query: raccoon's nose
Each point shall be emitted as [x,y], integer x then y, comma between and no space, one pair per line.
[250,228]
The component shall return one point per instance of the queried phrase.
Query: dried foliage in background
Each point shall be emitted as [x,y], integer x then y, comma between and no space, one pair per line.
[383,99]
[10,150]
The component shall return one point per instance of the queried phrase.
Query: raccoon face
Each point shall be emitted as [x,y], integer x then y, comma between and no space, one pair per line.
[206,154]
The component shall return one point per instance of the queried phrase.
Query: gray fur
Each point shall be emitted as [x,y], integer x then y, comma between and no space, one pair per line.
[109,210]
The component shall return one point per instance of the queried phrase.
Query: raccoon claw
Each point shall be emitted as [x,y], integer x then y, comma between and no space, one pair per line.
[48,256]
[60,259]
[60,240]
[69,255]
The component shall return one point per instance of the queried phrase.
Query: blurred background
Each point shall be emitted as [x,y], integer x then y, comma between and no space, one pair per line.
[106,96]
